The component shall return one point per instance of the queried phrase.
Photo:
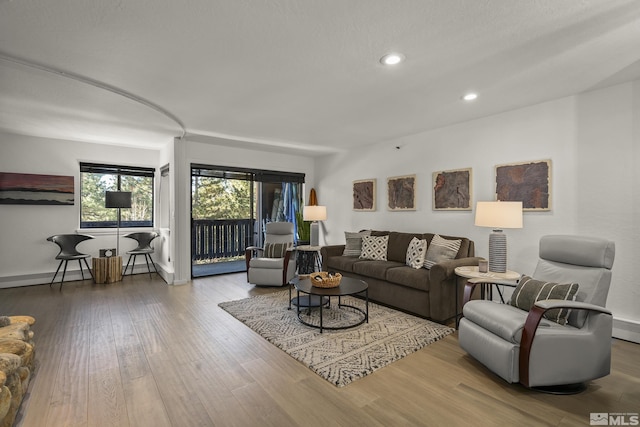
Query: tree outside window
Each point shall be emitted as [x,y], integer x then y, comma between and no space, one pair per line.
[96,179]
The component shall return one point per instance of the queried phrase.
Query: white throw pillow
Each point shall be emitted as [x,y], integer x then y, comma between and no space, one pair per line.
[416,253]
[441,249]
[374,247]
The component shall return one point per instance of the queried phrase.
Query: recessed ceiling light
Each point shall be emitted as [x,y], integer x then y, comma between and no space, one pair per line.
[470,96]
[392,59]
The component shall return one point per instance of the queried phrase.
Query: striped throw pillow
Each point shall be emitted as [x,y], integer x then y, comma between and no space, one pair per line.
[530,290]
[275,250]
[441,249]
[353,242]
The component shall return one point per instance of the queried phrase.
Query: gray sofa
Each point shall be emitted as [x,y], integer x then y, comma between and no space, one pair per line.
[425,292]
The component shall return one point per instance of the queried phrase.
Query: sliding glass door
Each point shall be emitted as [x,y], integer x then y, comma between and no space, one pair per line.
[229,208]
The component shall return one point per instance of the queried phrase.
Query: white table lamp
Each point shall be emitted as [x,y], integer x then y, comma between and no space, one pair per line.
[498,215]
[314,214]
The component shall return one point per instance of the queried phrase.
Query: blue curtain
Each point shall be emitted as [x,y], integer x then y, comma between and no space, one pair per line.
[291,203]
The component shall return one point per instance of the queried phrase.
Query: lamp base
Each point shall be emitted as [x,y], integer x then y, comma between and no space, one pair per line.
[497,252]
[315,234]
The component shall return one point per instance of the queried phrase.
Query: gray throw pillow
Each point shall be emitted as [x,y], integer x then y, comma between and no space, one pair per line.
[353,245]
[275,250]
[531,290]
[441,249]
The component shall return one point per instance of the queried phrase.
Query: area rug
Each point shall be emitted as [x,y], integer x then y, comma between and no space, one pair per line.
[340,356]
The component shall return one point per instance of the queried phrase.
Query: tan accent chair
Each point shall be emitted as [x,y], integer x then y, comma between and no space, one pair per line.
[267,271]
[524,347]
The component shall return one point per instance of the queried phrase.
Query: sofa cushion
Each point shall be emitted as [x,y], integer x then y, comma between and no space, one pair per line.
[353,245]
[375,269]
[502,320]
[441,249]
[342,263]
[275,263]
[530,290]
[398,244]
[410,277]
[374,248]
[416,253]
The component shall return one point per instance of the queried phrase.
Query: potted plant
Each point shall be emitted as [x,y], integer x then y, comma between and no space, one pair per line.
[304,229]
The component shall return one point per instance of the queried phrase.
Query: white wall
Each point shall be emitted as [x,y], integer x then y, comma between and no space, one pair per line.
[608,155]
[590,141]
[165,243]
[27,258]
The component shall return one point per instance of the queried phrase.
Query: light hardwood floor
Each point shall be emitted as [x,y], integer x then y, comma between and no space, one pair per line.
[142,353]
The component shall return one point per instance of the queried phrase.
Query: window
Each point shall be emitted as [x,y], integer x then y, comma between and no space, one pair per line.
[95,179]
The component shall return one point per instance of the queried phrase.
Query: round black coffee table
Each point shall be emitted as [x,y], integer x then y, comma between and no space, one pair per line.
[348,286]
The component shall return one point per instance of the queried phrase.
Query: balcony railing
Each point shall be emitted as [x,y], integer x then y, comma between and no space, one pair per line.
[220,238]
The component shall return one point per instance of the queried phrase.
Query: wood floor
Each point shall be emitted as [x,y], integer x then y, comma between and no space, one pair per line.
[141,353]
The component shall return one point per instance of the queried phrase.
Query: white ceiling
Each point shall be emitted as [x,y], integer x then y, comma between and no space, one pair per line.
[297,75]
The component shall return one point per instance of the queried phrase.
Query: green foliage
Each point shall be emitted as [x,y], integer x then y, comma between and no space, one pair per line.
[217,198]
[304,227]
[93,187]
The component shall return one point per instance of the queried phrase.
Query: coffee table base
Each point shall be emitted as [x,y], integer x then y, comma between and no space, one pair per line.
[322,327]
[308,301]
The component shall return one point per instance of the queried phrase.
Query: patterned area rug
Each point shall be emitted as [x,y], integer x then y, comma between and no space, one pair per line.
[340,356]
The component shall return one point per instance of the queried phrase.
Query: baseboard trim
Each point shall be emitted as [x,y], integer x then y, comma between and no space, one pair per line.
[38,279]
[626,329]
[74,275]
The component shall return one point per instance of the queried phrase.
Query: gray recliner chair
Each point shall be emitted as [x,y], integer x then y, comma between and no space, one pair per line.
[274,264]
[526,347]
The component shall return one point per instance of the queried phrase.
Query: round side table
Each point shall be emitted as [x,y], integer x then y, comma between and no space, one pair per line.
[308,259]
[508,278]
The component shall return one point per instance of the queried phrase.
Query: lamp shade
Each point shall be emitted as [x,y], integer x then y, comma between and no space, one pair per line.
[117,199]
[314,213]
[499,215]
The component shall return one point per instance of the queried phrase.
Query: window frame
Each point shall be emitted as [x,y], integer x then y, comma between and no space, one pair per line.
[119,171]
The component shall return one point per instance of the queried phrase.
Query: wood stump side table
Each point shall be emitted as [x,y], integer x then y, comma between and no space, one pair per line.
[107,269]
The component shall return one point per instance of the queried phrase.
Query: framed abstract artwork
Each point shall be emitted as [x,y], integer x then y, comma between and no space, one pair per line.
[401,193]
[452,190]
[364,195]
[528,182]
[32,189]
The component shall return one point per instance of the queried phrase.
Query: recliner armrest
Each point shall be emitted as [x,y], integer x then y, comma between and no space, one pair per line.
[550,304]
[531,326]
[248,253]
